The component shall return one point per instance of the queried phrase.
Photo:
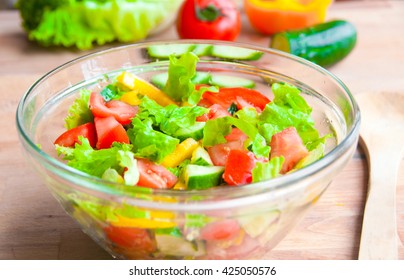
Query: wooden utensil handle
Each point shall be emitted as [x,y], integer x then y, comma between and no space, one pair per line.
[379,230]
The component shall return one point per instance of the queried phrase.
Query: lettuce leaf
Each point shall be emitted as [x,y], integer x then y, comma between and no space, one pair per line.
[150,143]
[179,84]
[267,170]
[79,112]
[95,162]
[215,131]
[171,118]
[287,109]
[83,23]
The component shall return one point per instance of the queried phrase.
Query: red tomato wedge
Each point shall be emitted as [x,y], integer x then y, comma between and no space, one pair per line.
[71,137]
[131,238]
[215,111]
[236,134]
[221,230]
[288,144]
[121,111]
[238,168]
[220,152]
[109,130]
[240,96]
[154,176]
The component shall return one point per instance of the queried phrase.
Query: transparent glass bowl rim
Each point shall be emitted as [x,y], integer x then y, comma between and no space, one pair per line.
[250,193]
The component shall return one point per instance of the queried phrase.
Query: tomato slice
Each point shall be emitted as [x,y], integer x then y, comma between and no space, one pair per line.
[215,111]
[238,168]
[121,111]
[236,134]
[109,130]
[288,144]
[154,176]
[220,152]
[221,230]
[239,95]
[71,137]
[131,238]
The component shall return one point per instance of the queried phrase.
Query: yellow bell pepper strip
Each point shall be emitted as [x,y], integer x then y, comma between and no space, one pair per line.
[182,152]
[153,219]
[180,185]
[130,82]
[131,97]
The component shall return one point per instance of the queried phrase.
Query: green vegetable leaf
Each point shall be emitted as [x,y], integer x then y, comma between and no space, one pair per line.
[110,92]
[169,119]
[150,143]
[215,130]
[79,112]
[96,162]
[128,162]
[289,96]
[179,84]
[288,109]
[84,23]
[267,170]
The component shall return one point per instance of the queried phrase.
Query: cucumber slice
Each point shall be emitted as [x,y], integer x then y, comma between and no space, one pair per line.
[201,157]
[179,247]
[201,78]
[230,81]
[199,177]
[195,132]
[160,80]
[202,49]
[164,51]
[235,53]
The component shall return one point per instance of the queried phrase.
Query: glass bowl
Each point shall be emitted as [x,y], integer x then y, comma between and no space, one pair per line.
[142,223]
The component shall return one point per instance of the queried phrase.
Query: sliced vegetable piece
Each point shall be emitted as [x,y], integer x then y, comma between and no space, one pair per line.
[235,53]
[235,135]
[160,80]
[195,131]
[121,111]
[220,230]
[131,97]
[199,177]
[71,136]
[109,130]
[230,81]
[164,51]
[201,157]
[227,96]
[170,245]
[202,49]
[238,168]
[131,238]
[289,145]
[154,176]
[183,151]
[131,82]
[151,220]
[220,152]
[215,111]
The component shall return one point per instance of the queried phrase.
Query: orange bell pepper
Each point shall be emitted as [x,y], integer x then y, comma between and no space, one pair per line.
[273,16]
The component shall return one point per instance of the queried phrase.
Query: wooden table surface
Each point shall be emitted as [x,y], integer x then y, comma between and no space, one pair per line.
[33,225]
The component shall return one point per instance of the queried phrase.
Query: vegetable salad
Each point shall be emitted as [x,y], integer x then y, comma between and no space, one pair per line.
[186,135]
[185,130]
